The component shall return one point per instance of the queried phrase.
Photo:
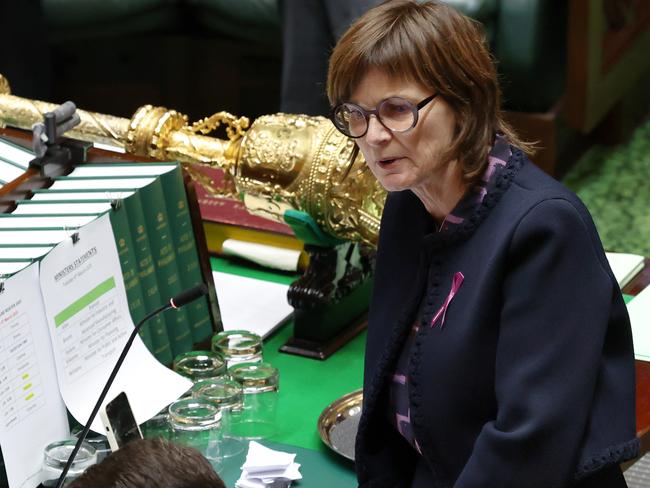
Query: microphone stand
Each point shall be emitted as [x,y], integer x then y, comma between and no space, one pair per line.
[104,392]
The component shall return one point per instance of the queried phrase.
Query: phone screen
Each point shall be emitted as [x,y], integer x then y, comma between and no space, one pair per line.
[123,424]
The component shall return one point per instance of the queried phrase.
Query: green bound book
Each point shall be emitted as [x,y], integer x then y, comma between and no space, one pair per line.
[79,194]
[148,279]
[15,154]
[186,251]
[182,233]
[47,236]
[129,265]
[164,255]
[85,206]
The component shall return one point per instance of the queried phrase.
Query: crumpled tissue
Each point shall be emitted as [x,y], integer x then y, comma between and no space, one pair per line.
[264,465]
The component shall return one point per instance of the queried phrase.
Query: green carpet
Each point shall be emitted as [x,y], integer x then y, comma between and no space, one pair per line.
[614,184]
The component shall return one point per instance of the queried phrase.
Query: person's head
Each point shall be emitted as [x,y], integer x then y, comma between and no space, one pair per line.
[151,463]
[416,50]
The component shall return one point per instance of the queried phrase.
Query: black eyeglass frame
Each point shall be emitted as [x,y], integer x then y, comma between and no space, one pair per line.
[367,113]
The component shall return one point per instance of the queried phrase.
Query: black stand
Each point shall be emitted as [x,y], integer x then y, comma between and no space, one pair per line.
[52,151]
[330,300]
[59,155]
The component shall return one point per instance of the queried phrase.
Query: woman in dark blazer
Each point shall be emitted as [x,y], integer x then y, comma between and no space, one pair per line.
[499,349]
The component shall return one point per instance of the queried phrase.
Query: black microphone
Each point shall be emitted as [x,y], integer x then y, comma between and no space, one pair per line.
[178,301]
[189,295]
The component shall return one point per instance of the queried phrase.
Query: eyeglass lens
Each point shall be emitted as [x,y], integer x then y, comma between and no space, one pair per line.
[397,114]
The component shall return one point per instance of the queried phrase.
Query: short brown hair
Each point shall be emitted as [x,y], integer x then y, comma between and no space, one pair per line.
[436,46]
[151,463]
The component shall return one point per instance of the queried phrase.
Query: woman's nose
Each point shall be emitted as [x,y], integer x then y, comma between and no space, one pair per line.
[377,133]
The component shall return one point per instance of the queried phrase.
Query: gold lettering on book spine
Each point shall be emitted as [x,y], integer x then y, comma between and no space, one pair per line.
[283,161]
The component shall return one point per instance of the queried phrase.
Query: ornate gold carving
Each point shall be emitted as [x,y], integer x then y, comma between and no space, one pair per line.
[24,113]
[150,129]
[5,89]
[235,127]
[283,161]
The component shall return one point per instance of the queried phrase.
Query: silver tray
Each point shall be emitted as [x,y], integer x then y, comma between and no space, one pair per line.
[338,423]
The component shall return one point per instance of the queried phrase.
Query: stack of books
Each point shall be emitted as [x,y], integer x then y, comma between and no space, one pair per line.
[149,214]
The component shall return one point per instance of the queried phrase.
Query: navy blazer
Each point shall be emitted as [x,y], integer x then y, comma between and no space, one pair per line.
[530,380]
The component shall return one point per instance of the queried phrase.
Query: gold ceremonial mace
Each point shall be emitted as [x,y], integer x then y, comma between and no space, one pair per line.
[281,162]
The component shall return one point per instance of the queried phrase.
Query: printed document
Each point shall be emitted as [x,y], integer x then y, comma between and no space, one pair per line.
[89,323]
[32,412]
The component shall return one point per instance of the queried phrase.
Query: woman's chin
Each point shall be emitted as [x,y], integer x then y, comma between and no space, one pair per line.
[392,183]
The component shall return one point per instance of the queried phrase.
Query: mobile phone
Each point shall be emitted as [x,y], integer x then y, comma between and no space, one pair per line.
[119,422]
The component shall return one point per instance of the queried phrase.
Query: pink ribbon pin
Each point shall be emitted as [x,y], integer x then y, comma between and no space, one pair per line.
[455,285]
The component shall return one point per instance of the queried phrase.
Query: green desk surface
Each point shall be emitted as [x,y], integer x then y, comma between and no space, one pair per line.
[307,386]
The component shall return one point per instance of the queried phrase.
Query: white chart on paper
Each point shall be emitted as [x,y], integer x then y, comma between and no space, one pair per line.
[21,389]
[32,412]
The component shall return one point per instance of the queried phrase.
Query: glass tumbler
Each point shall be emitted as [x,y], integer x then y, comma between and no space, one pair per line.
[196,423]
[200,365]
[260,384]
[229,396]
[97,441]
[56,456]
[238,346]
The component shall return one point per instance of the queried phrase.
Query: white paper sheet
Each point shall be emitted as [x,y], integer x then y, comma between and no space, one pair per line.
[639,310]
[263,254]
[625,266]
[32,412]
[109,147]
[255,305]
[89,324]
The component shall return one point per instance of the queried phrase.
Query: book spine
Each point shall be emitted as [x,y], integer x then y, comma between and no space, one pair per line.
[128,263]
[180,222]
[147,275]
[164,258]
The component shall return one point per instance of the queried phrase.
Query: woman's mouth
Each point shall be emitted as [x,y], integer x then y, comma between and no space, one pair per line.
[386,162]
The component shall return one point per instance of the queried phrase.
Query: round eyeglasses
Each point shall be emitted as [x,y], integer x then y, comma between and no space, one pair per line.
[395,113]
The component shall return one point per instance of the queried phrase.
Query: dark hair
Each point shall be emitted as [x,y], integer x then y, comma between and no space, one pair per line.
[436,46]
[151,463]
